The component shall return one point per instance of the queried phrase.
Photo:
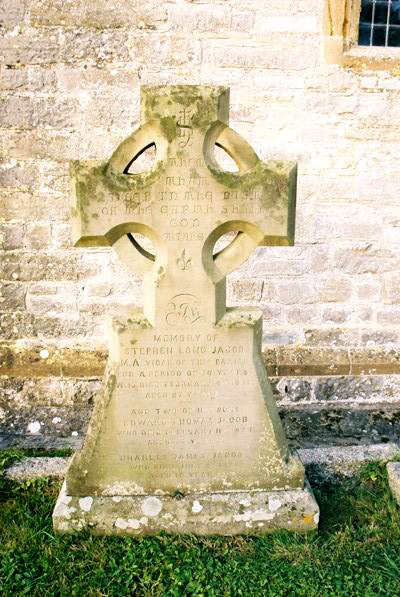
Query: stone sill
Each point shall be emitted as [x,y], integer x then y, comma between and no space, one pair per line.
[378,52]
[372,58]
[346,53]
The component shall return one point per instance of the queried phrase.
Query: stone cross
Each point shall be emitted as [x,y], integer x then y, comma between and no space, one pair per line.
[186,406]
[185,203]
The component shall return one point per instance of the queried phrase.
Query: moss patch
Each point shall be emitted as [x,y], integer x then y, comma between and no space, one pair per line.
[273,185]
[169,127]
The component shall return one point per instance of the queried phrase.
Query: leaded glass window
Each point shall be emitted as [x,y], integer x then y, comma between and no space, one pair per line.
[379,23]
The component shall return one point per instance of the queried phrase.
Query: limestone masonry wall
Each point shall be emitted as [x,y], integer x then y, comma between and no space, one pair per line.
[70,78]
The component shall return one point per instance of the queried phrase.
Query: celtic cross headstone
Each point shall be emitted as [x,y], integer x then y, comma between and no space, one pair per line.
[185,435]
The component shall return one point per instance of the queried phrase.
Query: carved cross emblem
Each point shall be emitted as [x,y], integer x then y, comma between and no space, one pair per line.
[184,203]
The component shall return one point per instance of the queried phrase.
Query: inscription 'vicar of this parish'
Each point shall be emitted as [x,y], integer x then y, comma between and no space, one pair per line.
[185,435]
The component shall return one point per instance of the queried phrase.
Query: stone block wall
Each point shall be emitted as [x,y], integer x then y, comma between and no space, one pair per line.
[70,80]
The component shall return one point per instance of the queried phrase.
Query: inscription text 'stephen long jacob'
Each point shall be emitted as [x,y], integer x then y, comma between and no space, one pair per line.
[186,404]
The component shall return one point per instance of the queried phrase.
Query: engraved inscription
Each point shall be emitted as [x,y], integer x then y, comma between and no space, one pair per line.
[184,391]
[185,128]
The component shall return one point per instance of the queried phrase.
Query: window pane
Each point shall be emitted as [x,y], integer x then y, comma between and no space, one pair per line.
[395,13]
[394,36]
[378,26]
[366,12]
[364,35]
[381,10]
[379,35]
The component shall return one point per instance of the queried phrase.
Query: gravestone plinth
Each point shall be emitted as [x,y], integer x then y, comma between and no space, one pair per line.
[185,436]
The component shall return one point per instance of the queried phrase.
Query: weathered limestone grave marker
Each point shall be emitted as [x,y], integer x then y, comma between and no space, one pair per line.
[185,435]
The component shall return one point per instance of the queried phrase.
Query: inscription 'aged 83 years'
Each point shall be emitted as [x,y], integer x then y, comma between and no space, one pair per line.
[186,408]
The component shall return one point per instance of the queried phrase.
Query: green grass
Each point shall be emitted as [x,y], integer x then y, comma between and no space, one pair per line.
[356,552]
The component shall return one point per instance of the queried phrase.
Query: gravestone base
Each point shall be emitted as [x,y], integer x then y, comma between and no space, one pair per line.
[228,513]
[393,470]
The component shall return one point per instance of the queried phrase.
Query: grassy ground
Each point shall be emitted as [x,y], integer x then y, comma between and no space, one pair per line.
[356,552]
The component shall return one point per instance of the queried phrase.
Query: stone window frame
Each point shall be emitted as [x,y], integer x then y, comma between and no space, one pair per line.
[341,20]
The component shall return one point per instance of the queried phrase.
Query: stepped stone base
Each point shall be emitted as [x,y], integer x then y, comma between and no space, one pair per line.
[230,513]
